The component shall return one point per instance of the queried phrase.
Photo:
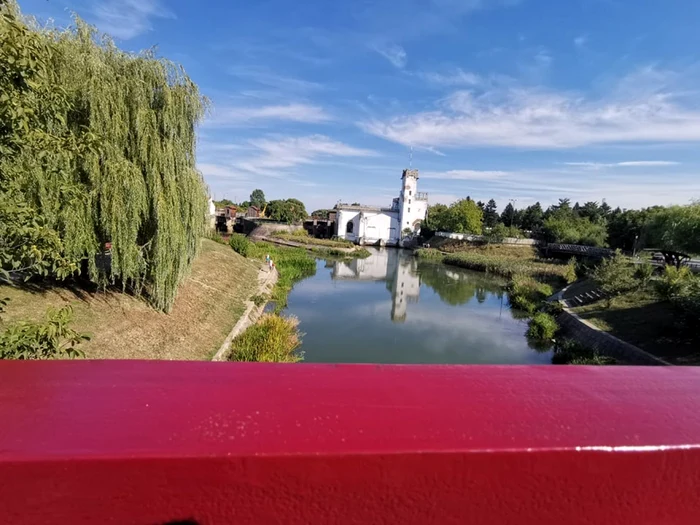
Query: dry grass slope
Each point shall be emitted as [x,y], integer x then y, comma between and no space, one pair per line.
[208,304]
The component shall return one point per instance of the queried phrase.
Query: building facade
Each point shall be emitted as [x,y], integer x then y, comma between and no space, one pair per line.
[385,226]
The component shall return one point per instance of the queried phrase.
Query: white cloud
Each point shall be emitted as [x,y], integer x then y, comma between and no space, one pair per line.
[275,156]
[393,53]
[456,77]
[626,164]
[463,175]
[237,116]
[265,76]
[644,111]
[128,18]
[580,41]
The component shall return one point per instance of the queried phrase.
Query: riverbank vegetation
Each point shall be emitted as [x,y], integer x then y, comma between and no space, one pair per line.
[124,326]
[273,339]
[292,264]
[659,314]
[97,161]
[504,260]
[302,236]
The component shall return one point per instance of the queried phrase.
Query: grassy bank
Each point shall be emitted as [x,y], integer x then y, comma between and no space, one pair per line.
[207,305]
[301,236]
[273,339]
[507,261]
[293,264]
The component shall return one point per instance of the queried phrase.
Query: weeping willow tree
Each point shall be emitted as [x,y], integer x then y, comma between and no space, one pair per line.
[103,151]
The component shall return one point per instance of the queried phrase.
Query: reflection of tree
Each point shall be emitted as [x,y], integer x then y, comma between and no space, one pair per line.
[456,286]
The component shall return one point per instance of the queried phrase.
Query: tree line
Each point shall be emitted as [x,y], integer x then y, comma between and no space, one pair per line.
[591,224]
[281,210]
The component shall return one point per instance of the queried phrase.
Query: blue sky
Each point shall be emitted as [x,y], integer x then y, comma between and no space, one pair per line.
[511,99]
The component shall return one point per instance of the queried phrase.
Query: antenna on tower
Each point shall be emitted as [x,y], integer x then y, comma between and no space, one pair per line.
[410,159]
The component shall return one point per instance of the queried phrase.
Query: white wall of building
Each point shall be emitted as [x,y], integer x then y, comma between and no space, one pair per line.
[369,226]
[412,209]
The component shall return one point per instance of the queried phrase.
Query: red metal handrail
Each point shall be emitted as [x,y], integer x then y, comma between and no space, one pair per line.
[152,442]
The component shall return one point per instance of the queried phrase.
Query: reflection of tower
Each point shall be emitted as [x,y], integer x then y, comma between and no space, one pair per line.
[406,288]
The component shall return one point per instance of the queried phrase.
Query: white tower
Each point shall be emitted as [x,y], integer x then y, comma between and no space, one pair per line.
[412,204]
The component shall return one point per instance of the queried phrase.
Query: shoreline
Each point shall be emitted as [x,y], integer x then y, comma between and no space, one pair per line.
[266,282]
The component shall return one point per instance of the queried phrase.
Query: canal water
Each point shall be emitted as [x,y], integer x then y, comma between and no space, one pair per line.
[394,308]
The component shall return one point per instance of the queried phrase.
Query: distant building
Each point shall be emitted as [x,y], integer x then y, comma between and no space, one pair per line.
[252,212]
[384,226]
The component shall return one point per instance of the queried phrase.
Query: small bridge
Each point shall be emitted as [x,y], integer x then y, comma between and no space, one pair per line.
[580,250]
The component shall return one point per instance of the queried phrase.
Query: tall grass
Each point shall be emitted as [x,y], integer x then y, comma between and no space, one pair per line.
[542,327]
[306,239]
[526,293]
[570,352]
[273,339]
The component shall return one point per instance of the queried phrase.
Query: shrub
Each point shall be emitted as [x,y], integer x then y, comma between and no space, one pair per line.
[570,352]
[215,236]
[526,293]
[687,302]
[273,339]
[570,272]
[643,273]
[428,253]
[673,281]
[259,300]
[240,244]
[614,276]
[542,326]
[52,338]
[506,266]
[301,232]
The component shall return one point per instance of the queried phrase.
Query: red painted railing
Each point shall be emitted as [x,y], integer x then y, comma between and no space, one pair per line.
[158,442]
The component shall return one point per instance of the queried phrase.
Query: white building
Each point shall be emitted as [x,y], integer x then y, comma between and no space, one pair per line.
[385,226]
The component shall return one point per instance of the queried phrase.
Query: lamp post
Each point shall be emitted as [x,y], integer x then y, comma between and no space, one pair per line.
[512,211]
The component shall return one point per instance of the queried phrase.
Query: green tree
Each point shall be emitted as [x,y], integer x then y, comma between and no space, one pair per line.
[435,220]
[464,216]
[257,199]
[533,217]
[490,214]
[100,144]
[615,276]
[508,215]
[289,211]
[675,228]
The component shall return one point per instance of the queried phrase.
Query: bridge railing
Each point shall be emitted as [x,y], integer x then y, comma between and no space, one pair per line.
[212,443]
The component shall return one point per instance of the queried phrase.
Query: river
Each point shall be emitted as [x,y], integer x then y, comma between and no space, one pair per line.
[394,308]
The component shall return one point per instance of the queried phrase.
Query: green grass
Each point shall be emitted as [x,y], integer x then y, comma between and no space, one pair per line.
[273,339]
[570,352]
[526,293]
[504,260]
[334,253]
[642,319]
[542,327]
[306,239]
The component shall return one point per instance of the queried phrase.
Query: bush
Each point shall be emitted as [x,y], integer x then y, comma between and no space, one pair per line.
[614,276]
[526,293]
[50,339]
[215,236]
[301,232]
[259,300]
[542,326]
[686,300]
[570,352]
[643,273]
[674,280]
[570,272]
[428,253]
[273,339]
[240,244]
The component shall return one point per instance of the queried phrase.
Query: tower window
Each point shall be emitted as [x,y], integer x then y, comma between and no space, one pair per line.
[409,210]
[410,192]
[409,201]
[350,227]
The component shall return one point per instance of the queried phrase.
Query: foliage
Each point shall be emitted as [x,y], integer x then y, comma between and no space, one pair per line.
[506,266]
[570,352]
[429,253]
[568,229]
[686,300]
[306,239]
[643,273]
[675,228]
[542,327]
[292,264]
[500,232]
[321,214]
[490,214]
[627,228]
[614,276]
[462,216]
[532,217]
[215,236]
[223,203]
[259,300]
[257,199]
[273,339]
[27,246]
[240,244]
[673,281]
[526,293]
[100,144]
[570,274]
[508,215]
[289,211]
[52,338]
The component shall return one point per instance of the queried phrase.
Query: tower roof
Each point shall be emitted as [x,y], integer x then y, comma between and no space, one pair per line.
[409,173]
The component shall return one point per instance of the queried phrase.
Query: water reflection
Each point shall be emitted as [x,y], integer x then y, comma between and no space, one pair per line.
[404,274]
[393,308]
